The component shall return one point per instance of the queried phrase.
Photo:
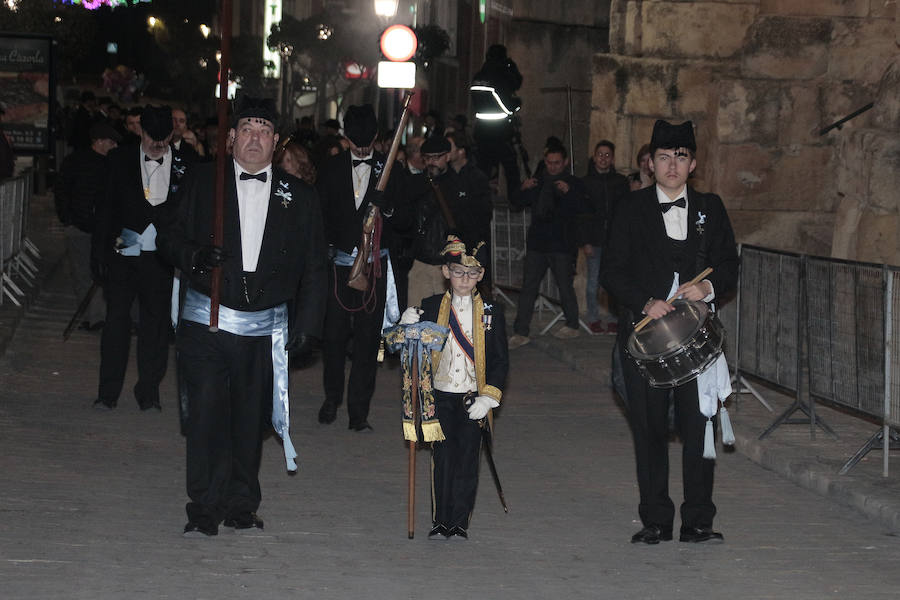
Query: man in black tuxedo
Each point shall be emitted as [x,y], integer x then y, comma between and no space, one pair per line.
[234,379]
[662,236]
[142,179]
[346,184]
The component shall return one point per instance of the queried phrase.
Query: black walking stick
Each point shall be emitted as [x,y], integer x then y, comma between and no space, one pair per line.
[82,307]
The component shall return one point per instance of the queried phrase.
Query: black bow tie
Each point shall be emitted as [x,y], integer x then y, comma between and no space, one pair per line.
[360,161]
[261,176]
[147,159]
[665,206]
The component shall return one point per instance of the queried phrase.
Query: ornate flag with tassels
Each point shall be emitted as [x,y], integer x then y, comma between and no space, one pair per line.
[418,341]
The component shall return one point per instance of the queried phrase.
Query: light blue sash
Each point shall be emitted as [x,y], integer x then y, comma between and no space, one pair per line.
[272,322]
[391,303]
[132,243]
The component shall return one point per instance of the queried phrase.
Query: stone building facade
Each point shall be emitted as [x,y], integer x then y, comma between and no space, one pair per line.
[761,79]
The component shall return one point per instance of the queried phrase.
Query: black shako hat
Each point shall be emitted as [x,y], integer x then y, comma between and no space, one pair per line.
[360,125]
[156,121]
[436,144]
[666,135]
[249,107]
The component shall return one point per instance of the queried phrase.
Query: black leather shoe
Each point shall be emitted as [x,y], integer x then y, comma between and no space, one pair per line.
[151,406]
[103,405]
[244,521]
[652,534]
[696,535]
[361,427]
[200,529]
[438,532]
[328,412]
[458,532]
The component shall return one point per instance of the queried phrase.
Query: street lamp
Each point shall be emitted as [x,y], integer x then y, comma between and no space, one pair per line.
[386,8]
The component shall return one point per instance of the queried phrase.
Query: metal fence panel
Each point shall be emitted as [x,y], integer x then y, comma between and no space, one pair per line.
[509,231]
[769,313]
[892,408]
[845,319]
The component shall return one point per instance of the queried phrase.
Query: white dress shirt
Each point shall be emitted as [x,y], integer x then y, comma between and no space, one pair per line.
[456,373]
[155,177]
[360,175]
[253,205]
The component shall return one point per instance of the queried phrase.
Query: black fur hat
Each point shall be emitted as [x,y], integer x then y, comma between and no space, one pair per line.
[156,121]
[260,108]
[666,135]
[360,125]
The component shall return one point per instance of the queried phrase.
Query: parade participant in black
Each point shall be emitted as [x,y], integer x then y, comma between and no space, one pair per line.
[142,179]
[78,194]
[445,203]
[556,198]
[346,184]
[233,379]
[664,235]
[469,377]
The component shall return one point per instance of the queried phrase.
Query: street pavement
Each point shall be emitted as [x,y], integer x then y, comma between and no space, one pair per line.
[93,502]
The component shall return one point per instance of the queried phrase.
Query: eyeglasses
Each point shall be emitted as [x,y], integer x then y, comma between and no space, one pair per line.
[460,273]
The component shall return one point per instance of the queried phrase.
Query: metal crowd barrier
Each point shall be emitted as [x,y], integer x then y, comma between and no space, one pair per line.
[832,325]
[17,253]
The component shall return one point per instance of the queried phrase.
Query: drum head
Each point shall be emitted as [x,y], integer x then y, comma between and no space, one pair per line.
[666,335]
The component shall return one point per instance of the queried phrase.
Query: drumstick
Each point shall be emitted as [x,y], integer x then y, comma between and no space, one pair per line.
[643,322]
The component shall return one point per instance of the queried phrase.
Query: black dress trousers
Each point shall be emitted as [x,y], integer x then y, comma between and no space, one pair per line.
[455,462]
[147,278]
[648,416]
[228,379]
[345,316]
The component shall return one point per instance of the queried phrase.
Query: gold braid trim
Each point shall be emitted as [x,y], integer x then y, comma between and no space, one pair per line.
[491,392]
[478,334]
[409,431]
[444,321]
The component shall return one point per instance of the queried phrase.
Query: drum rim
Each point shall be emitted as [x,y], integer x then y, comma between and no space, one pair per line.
[687,377]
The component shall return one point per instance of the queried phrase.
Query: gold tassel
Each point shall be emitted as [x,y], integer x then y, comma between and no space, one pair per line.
[409,431]
[381,351]
[432,432]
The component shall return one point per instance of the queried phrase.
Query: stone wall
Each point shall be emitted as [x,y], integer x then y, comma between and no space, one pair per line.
[760,79]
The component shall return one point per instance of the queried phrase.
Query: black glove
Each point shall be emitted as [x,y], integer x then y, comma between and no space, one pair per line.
[300,346]
[208,257]
[377,199]
[99,270]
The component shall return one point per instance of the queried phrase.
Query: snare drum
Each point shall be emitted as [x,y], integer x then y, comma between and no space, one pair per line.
[677,347]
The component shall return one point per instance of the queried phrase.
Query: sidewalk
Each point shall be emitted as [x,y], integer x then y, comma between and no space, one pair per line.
[790,450]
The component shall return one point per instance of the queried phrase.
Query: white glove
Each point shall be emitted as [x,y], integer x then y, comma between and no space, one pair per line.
[410,316]
[480,407]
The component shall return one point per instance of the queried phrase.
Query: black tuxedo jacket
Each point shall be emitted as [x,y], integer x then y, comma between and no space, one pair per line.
[343,221]
[292,259]
[637,264]
[123,204]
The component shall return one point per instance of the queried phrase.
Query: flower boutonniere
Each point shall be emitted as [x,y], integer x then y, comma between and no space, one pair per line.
[378,168]
[701,221]
[284,193]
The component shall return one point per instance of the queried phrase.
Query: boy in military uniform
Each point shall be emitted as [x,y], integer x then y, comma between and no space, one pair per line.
[469,377]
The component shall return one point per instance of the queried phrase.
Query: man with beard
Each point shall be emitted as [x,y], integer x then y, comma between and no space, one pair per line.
[346,185]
